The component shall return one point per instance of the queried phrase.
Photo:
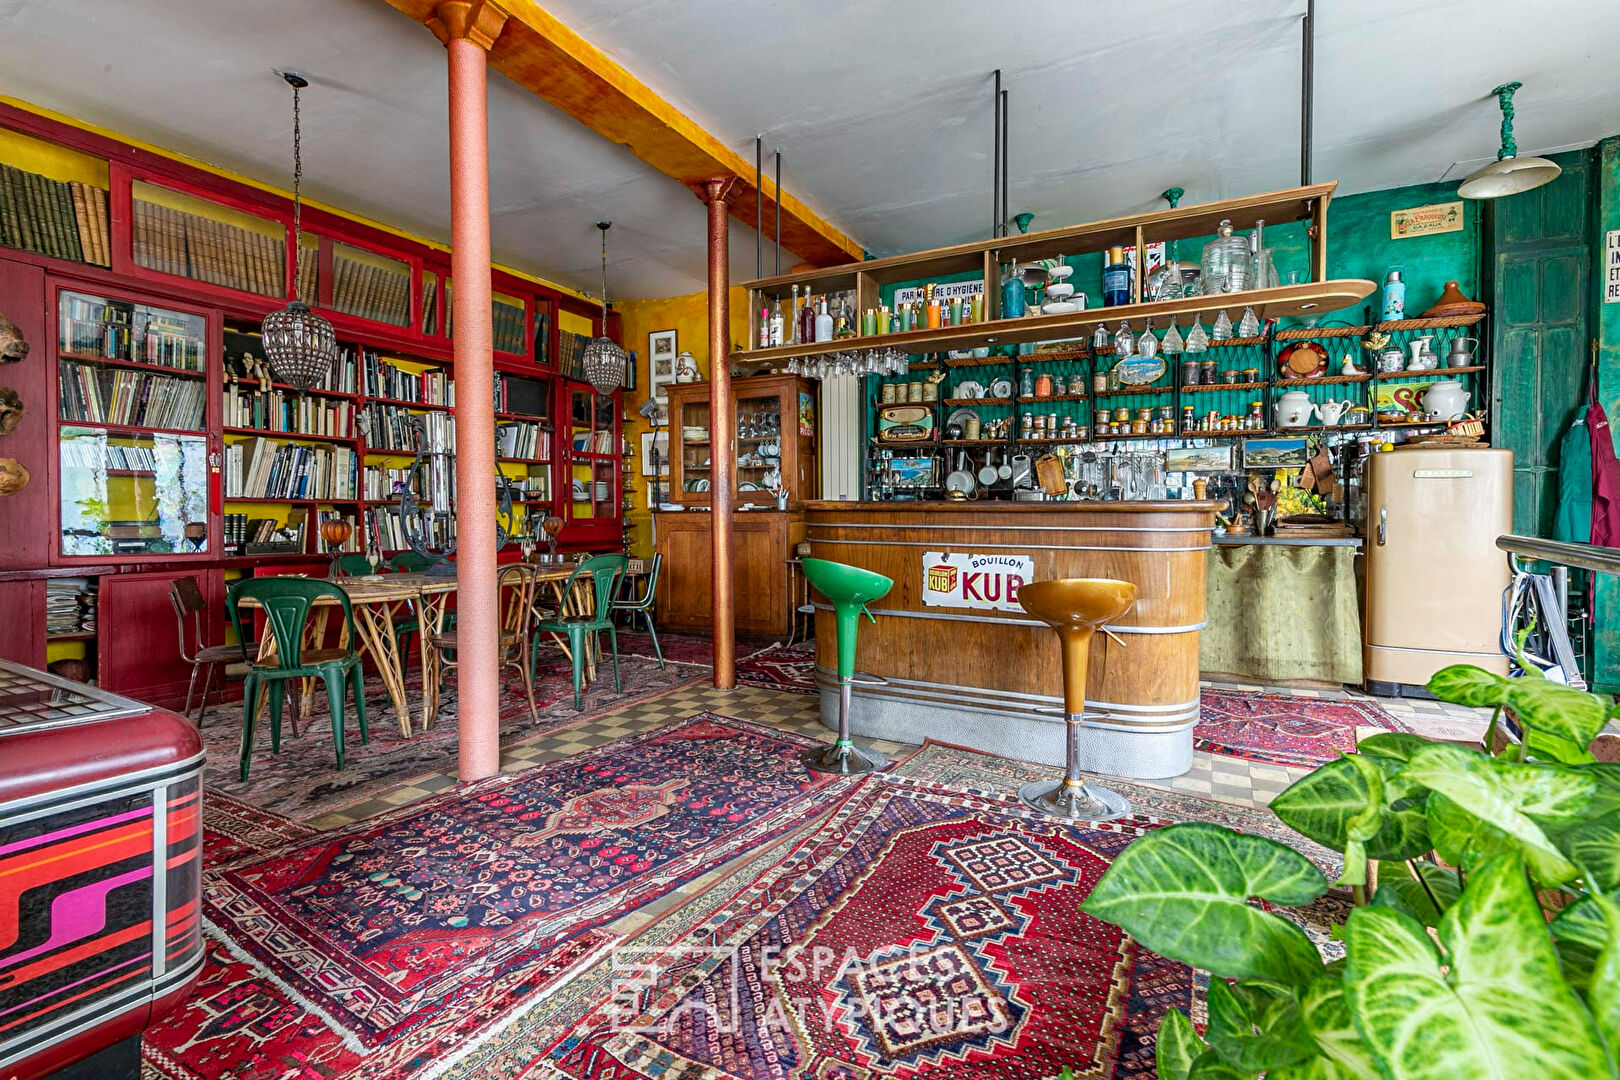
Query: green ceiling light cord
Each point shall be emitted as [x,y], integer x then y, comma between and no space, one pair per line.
[1504,96]
[1173,196]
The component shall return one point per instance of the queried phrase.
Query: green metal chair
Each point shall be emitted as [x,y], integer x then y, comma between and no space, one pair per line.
[407,626]
[352,565]
[286,602]
[604,572]
[849,589]
[643,605]
[409,562]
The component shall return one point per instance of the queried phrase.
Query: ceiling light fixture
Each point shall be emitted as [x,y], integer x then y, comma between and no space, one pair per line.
[1509,174]
[298,343]
[604,358]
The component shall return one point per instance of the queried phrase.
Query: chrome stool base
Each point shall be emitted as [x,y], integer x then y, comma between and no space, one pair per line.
[843,760]
[1074,802]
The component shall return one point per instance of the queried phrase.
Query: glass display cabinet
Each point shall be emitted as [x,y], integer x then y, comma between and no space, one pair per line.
[776,440]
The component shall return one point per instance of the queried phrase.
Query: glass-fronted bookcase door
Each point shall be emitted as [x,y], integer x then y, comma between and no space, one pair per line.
[593,456]
[134,396]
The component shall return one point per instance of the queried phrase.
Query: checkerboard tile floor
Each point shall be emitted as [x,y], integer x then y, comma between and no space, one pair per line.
[1212,776]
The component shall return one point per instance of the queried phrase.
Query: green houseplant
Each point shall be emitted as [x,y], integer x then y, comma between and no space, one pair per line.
[1489,949]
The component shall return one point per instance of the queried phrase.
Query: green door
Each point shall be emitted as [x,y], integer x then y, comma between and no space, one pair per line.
[1541,258]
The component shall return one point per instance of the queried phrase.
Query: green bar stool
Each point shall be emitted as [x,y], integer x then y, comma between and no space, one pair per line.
[850,589]
[1076,608]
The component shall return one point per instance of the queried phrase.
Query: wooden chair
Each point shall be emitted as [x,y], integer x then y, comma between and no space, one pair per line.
[186,597]
[286,602]
[643,605]
[604,572]
[515,585]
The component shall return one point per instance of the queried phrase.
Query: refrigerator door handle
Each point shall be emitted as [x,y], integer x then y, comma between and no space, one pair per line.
[1383,524]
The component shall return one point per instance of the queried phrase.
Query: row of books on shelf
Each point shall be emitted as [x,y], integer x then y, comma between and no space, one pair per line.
[95,455]
[116,330]
[507,320]
[571,353]
[356,541]
[259,468]
[522,439]
[393,428]
[245,360]
[380,483]
[70,606]
[65,220]
[386,380]
[593,442]
[387,527]
[294,414]
[174,241]
[264,535]
[131,398]
[370,291]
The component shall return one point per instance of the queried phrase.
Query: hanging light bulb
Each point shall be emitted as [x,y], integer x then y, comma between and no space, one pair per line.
[299,345]
[1509,174]
[604,358]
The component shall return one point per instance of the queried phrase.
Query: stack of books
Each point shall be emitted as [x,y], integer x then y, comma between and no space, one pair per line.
[371,292]
[129,398]
[393,428]
[70,607]
[385,380]
[50,217]
[266,469]
[294,414]
[174,241]
[522,439]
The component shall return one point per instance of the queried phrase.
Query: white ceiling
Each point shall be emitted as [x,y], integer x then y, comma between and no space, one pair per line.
[881,109]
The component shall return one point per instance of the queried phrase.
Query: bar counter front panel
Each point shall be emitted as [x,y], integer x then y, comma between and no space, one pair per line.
[980,672]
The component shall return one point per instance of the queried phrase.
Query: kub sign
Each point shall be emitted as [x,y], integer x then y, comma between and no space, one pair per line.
[966,580]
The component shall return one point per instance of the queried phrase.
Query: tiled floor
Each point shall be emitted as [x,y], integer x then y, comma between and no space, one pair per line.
[1227,779]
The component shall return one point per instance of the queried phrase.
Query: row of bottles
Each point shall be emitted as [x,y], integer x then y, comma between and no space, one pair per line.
[808,320]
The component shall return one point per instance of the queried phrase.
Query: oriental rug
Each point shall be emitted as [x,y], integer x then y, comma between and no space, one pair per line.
[918,932]
[789,668]
[304,781]
[391,948]
[1284,729]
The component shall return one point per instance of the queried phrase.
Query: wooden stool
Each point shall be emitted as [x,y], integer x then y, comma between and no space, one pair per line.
[1075,608]
[850,589]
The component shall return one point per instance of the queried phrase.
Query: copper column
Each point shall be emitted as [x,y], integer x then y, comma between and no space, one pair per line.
[716,194]
[469,29]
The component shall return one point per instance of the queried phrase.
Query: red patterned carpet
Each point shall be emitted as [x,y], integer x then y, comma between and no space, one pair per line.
[1284,729]
[387,949]
[920,932]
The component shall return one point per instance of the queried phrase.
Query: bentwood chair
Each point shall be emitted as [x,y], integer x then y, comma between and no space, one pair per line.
[515,585]
[286,603]
[1076,608]
[849,589]
[643,605]
[582,628]
[186,597]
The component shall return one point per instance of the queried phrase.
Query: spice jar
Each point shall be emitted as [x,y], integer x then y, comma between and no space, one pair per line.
[1077,384]
[1251,375]
[1207,372]
[1189,373]
[1099,383]
[1145,414]
[889,391]
[1043,385]
[1139,427]
[1229,376]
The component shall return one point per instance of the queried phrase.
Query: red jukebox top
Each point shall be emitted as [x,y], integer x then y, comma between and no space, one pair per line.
[100,868]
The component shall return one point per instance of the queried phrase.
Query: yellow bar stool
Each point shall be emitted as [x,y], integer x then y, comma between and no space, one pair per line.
[849,589]
[1076,608]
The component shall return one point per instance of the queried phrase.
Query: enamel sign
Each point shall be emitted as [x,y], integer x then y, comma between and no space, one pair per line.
[967,580]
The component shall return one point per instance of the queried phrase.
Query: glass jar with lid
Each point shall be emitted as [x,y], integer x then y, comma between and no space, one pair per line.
[1225,266]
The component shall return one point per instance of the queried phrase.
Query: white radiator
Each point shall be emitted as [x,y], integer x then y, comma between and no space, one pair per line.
[839,439]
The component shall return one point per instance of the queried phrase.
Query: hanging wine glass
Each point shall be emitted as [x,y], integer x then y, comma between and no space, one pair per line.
[1249,325]
[1172,343]
[1197,339]
[1147,346]
[1223,327]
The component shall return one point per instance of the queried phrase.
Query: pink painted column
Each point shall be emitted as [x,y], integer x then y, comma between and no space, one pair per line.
[716,194]
[468,28]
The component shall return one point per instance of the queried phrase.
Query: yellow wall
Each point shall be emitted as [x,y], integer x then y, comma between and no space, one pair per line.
[688,316]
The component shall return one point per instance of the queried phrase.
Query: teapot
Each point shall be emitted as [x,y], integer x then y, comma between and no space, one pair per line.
[1331,412]
[1293,409]
[1446,400]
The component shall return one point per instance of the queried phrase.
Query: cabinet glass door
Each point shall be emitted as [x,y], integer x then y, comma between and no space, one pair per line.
[133,493]
[594,452]
[692,428]
[759,448]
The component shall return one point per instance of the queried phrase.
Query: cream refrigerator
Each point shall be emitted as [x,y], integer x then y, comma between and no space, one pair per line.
[1434,576]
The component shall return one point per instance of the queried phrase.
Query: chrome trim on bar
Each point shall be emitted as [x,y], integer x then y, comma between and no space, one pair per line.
[160,873]
[1007,547]
[1173,716]
[1005,528]
[949,617]
[1581,556]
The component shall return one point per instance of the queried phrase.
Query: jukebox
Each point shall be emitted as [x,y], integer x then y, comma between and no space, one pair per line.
[100,874]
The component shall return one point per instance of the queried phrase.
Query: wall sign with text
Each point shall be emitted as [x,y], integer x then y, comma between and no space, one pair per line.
[967,580]
[1426,220]
[1611,267]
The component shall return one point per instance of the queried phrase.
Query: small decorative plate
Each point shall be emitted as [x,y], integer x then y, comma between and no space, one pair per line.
[1001,388]
[1139,371]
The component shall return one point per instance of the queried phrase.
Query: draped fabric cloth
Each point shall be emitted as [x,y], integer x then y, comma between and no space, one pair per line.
[1282,613]
[1605,474]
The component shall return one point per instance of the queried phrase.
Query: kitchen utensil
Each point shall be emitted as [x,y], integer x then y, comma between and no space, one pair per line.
[1021,470]
[1446,399]
[1332,411]
[1059,307]
[1302,360]
[987,472]
[1004,470]
[1292,409]
[1461,353]
[1391,361]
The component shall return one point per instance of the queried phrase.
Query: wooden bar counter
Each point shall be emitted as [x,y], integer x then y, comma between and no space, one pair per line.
[964,664]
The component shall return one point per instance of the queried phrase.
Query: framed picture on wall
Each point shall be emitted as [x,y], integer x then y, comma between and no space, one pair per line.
[661,353]
[1199,459]
[650,440]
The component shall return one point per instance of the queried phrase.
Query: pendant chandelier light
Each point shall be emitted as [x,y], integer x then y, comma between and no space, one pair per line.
[1509,174]
[604,359]
[298,343]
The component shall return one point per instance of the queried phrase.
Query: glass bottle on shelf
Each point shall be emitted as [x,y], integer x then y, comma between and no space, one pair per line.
[793,319]
[1225,263]
[776,323]
[1262,270]
[1012,293]
[765,327]
[807,321]
[824,322]
[1124,340]
[1116,279]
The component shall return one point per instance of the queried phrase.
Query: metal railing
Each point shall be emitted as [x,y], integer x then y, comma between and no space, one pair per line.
[1601,560]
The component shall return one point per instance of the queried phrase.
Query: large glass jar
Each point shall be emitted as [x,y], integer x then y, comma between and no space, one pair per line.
[1226,262]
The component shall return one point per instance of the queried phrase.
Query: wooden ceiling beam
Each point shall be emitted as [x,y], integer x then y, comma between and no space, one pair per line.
[542,55]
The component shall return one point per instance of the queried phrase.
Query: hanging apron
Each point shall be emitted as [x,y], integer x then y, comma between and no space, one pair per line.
[1605,474]
[1573,523]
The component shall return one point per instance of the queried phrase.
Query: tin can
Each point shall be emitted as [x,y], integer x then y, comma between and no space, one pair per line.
[930,391]
[1139,427]
[889,391]
[914,392]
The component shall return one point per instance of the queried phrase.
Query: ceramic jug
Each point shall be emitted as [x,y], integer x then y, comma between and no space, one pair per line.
[1446,400]
[1293,409]
[1422,358]
[1330,411]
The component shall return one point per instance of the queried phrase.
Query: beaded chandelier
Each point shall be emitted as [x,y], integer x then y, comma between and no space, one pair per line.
[299,344]
[604,358]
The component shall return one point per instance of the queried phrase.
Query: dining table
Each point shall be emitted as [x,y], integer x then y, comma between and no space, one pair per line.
[379,602]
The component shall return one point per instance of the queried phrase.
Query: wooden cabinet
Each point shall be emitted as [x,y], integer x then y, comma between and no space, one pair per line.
[762,542]
[776,440]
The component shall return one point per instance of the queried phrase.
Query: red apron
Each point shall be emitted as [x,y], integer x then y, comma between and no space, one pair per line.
[1605,474]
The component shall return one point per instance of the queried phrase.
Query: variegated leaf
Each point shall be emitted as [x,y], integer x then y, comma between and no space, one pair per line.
[1177,1046]
[1256,1028]
[1424,900]
[1341,1055]
[1183,891]
[1595,847]
[1603,993]
[1501,1010]
[1465,684]
[1559,710]
[1322,803]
